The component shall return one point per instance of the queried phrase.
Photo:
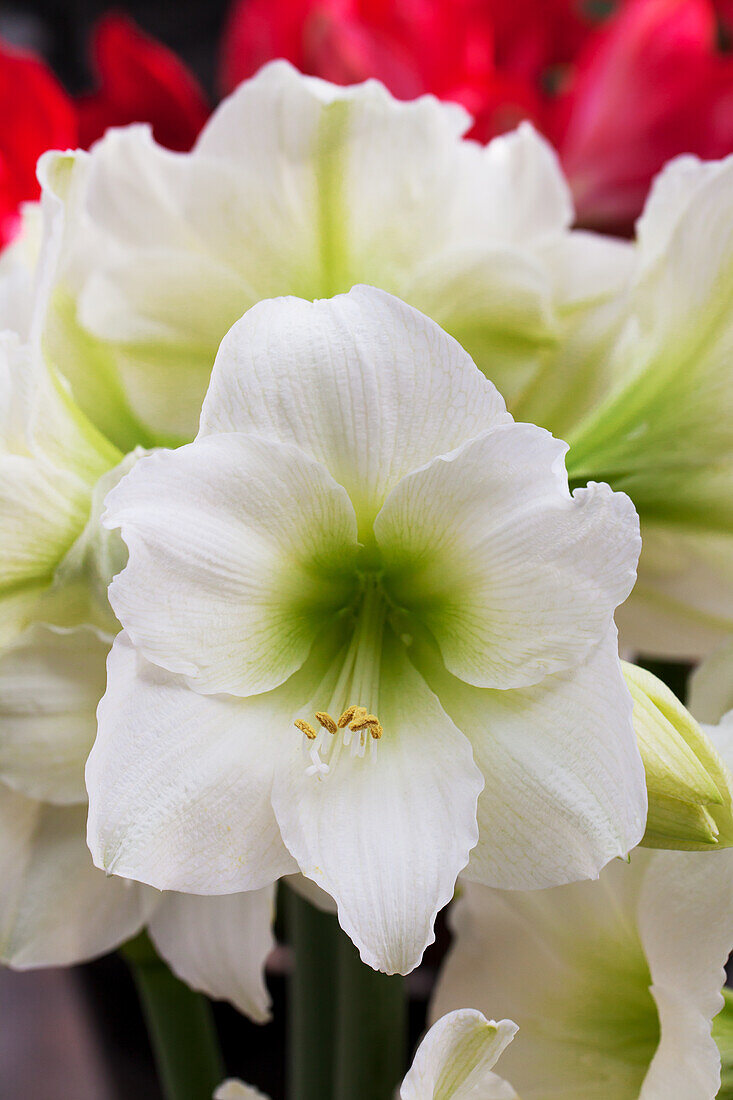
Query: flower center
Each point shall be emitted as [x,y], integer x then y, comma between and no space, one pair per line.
[357,678]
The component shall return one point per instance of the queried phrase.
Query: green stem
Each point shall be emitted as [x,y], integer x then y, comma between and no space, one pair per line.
[180,1026]
[314,937]
[371,1040]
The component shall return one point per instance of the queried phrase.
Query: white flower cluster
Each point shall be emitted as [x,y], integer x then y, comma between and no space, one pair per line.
[281,506]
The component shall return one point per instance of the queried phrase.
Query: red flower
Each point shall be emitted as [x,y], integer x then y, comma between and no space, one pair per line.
[140,81]
[620,86]
[651,85]
[423,46]
[37,115]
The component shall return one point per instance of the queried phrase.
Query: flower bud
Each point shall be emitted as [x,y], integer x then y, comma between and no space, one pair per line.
[689,786]
[723,1035]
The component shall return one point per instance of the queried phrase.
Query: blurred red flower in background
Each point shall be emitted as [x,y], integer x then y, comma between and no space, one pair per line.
[139,80]
[37,115]
[618,87]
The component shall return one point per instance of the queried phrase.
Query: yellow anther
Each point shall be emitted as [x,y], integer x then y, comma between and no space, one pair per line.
[347,716]
[326,721]
[363,721]
[377,731]
[306,728]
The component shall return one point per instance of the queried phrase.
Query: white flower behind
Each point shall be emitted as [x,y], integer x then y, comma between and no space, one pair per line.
[297,186]
[614,984]
[360,524]
[663,432]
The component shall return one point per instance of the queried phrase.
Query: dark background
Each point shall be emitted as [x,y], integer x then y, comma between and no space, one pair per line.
[59,30]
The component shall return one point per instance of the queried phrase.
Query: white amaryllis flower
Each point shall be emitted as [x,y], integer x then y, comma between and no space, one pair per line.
[454,1061]
[663,434]
[297,186]
[56,907]
[360,524]
[613,983]
[57,627]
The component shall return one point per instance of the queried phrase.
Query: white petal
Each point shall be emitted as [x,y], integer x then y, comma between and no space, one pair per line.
[386,835]
[496,301]
[566,965]
[515,578]
[237,1090]
[455,1058]
[312,893]
[17,262]
[682,604]
[49,460]
[236,545]
[362,382]
[179,783]
[56,908]
[219,945]
[592,971]
[685,921]
[710,688]
[50,683]
[565,788]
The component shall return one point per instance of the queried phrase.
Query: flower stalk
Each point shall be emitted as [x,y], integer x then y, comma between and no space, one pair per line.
[371,1036]
[180,1026]
[313,937]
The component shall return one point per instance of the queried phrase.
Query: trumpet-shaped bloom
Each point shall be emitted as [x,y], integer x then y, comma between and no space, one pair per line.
[663,433]
[613,983]
[55,906]
[296,186]
[362,542]
[454,1061]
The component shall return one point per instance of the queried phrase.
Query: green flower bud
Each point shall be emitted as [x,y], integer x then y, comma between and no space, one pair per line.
[723,1035]
[689,787]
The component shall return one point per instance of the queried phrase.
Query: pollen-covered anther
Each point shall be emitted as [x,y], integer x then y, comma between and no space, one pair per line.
[348,714]
[326,721]
[368,722]
[306,728]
